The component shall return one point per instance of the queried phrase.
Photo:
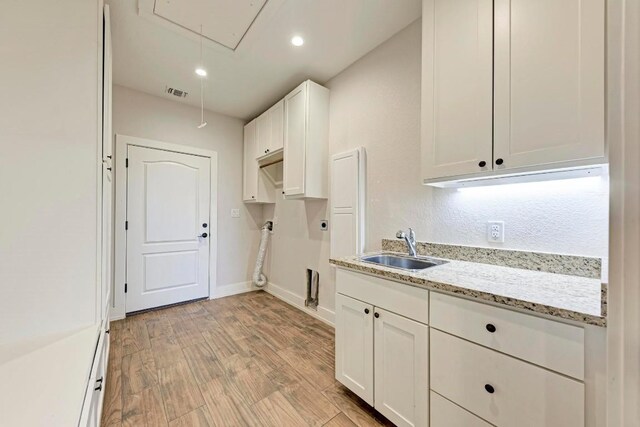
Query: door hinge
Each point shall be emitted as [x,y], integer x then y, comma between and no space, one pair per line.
[126,163]
[125,288]
[126,225]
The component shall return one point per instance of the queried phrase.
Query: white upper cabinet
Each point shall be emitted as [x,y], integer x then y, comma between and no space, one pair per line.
[511,86]
[255,185]
[250,166]
[457,98]
[270,130]
[263,134]
[306,140]
[549,81]
[276,116]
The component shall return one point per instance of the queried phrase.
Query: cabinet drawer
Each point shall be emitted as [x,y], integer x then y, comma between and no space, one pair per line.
[554,345]
[500,389]
[406,300]
[447,414]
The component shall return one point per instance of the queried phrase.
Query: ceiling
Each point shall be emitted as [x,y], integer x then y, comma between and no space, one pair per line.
[246,46]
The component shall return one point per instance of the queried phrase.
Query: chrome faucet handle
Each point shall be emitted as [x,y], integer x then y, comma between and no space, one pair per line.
[400,234]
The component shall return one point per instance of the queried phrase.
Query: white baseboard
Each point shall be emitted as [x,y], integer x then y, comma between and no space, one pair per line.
[325,315]
[116,317]
[232,289]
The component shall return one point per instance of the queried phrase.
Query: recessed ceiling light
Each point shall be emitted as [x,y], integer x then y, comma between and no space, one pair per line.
[297,41]
[201,72]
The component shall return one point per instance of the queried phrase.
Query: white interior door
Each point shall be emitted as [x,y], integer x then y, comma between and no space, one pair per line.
[168,202]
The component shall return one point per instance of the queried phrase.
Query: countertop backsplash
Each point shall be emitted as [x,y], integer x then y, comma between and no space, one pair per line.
[573,265]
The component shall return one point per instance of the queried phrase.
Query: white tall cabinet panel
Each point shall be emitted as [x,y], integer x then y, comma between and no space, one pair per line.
[457,44]
[401,369]
[354,346]
[549,81]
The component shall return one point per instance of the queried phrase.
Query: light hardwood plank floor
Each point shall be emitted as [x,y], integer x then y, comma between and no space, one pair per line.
[245,360]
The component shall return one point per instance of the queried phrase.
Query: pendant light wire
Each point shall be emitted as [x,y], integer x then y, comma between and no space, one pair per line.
[202,122]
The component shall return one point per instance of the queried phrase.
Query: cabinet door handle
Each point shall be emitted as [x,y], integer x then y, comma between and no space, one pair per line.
[490,327]
[366,311]
[499,162]
[489,388]
[482,164]
[99,388]
[376,315]
[99,380]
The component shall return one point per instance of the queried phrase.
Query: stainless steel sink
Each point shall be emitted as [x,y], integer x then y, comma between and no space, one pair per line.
[403,262]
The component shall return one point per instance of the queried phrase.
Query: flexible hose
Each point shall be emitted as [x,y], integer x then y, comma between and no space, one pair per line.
[259,279]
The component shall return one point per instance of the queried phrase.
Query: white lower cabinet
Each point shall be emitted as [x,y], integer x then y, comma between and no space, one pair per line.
[354,346]
[473,365]
[501,389]
[383,358]
[94,396]
[401,369]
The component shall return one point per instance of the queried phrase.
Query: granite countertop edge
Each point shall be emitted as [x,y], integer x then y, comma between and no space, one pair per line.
[414,279]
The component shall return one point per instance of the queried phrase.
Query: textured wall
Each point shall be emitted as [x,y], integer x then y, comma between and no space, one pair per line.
[146,116]
[375,103]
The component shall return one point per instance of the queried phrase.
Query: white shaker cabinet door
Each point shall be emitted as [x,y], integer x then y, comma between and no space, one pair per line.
[549,82]
[354,346]
[250,166]
[263,134]
[276,118]
[401,360]
[457,45]
[295,141]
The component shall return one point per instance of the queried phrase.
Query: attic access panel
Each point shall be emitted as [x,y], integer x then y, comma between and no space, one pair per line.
[223,21]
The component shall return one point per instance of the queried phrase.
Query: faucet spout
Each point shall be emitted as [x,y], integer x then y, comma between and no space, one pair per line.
[409,239]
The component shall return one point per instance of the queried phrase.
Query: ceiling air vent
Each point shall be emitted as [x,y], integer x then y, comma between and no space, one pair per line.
[177,92]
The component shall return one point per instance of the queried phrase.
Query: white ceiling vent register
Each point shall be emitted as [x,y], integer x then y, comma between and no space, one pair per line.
[177,92]
[223,21]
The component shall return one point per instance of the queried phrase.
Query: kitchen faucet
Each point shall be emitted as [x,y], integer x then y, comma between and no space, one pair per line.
[410,240]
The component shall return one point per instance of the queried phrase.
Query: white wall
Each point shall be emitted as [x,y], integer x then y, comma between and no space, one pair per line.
[48,167]
[151,117]
[375,103]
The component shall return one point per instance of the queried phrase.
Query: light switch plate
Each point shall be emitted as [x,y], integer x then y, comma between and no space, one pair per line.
[495,232]
[235,213]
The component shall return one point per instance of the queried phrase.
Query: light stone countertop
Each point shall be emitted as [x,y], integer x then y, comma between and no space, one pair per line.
[568,297]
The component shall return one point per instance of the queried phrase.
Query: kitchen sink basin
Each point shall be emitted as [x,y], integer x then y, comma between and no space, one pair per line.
[402,262]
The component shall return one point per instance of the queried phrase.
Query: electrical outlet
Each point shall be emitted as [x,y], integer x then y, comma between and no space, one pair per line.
[235,213]
[495,231]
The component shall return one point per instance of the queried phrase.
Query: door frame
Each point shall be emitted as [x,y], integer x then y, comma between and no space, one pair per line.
[122,143]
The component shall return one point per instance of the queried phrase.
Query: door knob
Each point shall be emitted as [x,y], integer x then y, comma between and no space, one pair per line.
[204,235]
[204,225]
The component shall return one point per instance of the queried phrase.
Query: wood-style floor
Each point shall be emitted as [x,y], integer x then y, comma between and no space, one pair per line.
[245,360]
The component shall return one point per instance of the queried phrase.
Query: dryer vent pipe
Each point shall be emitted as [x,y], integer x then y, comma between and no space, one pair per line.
[259,279]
